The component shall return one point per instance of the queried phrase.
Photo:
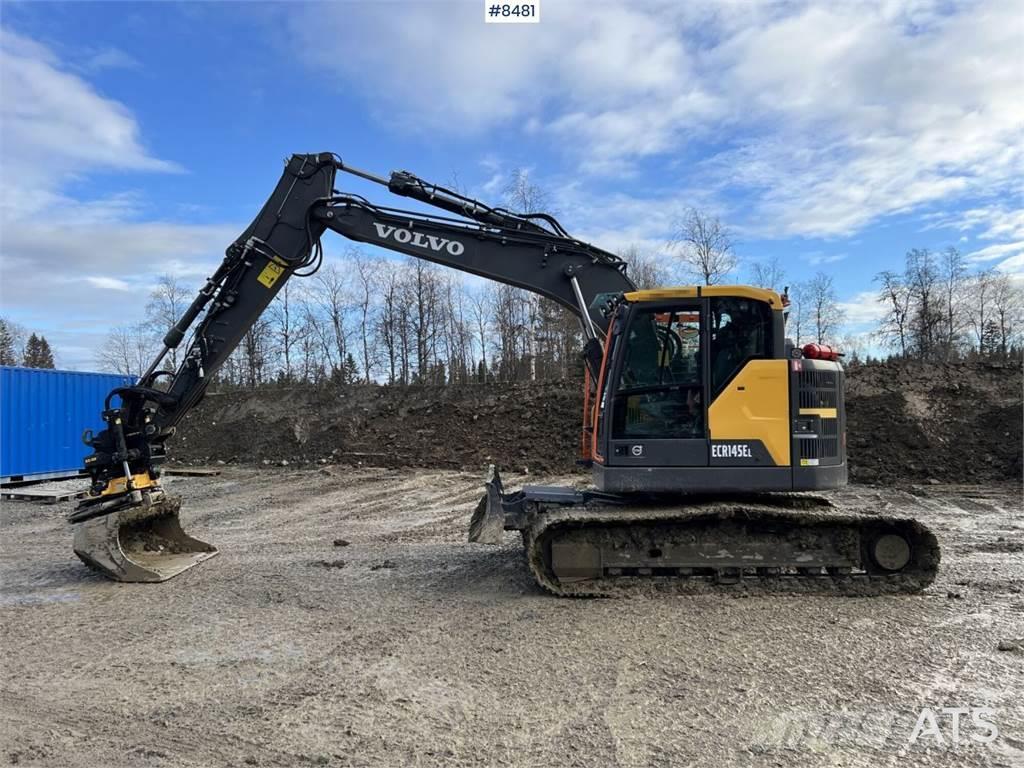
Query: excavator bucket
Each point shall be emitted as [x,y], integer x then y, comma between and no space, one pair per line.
[143,542]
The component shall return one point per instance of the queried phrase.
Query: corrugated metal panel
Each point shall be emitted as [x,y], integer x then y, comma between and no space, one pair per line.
[43,414]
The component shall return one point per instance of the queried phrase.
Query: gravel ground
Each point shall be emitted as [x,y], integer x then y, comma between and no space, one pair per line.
[346,622]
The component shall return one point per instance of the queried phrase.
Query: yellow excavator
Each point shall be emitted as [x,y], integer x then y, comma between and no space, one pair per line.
[702,422]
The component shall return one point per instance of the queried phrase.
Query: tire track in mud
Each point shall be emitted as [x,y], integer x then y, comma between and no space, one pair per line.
[454,658]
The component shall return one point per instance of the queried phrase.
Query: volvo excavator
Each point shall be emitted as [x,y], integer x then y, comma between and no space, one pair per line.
[706,430]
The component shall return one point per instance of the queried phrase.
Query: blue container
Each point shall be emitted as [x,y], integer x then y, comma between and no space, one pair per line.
[42,416]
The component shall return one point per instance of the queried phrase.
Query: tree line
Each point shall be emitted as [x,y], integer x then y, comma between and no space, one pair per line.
[19,347]
[936,309]
[405,321]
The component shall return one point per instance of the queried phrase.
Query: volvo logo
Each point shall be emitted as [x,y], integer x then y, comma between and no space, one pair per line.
[420,240]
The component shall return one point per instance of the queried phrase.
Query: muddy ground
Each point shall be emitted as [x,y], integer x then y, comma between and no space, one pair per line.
[907,423]
[346,622]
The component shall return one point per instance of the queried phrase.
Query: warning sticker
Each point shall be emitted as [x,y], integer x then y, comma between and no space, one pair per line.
[270,274]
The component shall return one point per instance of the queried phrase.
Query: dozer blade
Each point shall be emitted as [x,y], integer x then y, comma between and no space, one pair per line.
[141,542]
[488,521]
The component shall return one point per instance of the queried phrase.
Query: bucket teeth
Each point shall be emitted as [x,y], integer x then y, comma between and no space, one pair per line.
[142,542]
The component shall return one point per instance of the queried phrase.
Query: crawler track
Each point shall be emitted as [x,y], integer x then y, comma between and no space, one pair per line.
[756,545]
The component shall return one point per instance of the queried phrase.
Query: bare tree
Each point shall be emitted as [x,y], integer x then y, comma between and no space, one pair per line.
[286,317]
[331,291]
[854,346]
[797,323]
[367,275]
[523,196]
[895,295]
[511,315]
[768,274]
[1007,311]
[12,341]
[826,315]
[926,317]
[389,319]
[981,288]
[255,352]
[645,269]
[480,312]
[167,302]
[953,270]
[704,245]
[127,350]
[424,301]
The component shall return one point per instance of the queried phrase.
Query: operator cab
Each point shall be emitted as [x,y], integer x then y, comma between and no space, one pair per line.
[695,379]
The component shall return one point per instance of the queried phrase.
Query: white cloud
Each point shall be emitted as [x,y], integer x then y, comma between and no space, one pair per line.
[74,268]
[993,252]
[54,122]
[100,59]
[1013,265]
[817,258]
[863,310]
[994,221]
[831,115]
[110,283]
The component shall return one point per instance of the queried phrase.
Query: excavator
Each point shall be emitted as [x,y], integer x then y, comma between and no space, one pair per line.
[707,430]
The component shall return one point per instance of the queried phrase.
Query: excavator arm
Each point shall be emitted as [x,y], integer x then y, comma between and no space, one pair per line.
[528,250]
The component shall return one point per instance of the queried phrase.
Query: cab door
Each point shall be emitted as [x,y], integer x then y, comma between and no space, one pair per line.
[655,406]
[749,412]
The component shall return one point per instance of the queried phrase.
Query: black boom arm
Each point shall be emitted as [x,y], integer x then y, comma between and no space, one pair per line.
[528,250]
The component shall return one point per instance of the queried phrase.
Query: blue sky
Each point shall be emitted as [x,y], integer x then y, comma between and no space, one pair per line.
[137,139]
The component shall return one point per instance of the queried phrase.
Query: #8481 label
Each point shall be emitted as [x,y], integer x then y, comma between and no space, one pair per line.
[511,13]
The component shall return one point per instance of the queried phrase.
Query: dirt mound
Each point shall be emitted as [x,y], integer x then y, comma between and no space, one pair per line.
[906,423]
[532,427]
[953,422]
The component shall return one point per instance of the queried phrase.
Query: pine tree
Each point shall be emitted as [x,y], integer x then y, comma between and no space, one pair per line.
[37,353]
[989,339]
[7,354]
[45,354]
[349,370]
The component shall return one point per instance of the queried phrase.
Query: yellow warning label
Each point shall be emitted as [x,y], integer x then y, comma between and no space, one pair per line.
[270,274]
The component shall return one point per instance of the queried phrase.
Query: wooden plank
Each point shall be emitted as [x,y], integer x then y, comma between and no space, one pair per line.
[47,497]
[191,471]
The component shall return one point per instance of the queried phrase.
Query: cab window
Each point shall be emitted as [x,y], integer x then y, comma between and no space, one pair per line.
[659,387]
[740,330]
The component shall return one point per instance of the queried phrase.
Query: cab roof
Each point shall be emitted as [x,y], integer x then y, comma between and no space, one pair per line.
[694,291]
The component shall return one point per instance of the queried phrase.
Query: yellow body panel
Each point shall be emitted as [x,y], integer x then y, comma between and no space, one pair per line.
[755,406]
[690,292]
[139,482]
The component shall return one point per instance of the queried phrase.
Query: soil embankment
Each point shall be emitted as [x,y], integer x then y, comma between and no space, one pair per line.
[957,422]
